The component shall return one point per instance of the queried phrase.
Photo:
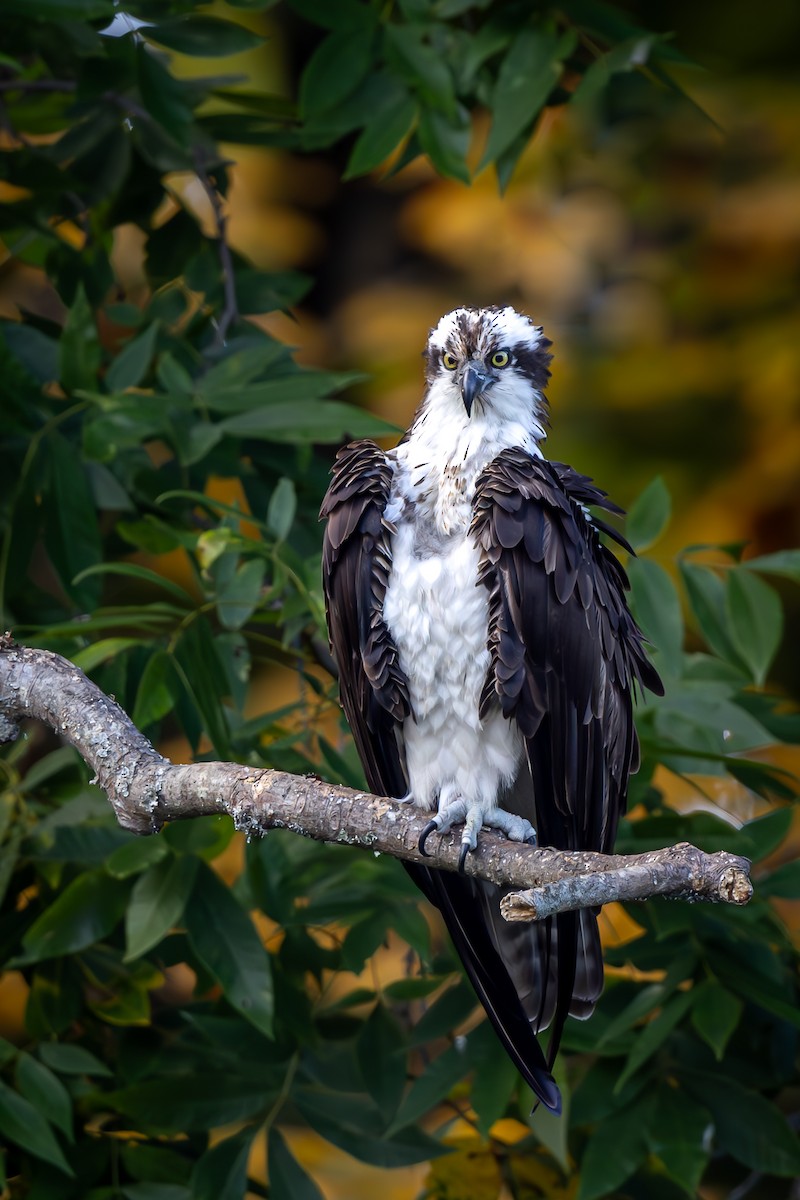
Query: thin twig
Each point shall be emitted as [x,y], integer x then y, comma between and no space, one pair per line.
[230,311]
[146,791]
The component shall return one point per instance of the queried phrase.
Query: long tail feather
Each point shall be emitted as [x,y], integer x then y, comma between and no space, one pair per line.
[462,910]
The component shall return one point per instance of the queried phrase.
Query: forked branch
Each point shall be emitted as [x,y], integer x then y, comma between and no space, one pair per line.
[146,790]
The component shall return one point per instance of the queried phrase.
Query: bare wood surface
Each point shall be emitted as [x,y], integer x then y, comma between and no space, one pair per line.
[146,790]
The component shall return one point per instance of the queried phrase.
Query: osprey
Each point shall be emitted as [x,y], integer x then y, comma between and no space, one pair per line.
[487,658]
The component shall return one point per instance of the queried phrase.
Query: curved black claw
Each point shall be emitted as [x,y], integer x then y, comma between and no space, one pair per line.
[462,858]
[423,837]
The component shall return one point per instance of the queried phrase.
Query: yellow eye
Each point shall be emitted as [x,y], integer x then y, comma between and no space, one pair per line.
[500,358]
[449,361]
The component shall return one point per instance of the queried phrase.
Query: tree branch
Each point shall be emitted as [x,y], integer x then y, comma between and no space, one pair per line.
[146,790]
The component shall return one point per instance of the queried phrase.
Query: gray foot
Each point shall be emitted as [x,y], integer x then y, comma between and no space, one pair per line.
[475,816]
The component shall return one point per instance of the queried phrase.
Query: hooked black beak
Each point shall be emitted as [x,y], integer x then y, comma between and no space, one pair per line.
[473,382]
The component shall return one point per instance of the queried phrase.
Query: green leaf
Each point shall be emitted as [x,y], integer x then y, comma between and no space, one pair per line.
[38,354]
[715,1015]
[71,530]
[62,10]
[649,515]
[155,695]
[296,385]
[389,124]
[345,14]
[45,768]
[495,1077]
[79,346]
[99,652]
[349,1123]
[131,365]
[166,100]
[706,594]
[22,1124]
[157,902]
[206,837]
[657,608]
[756,987]
[203,677]
[307,421]
[107,492]
[654,1034]
[550,1129]
[755,619]
[422,68]
[445,139]
[782,883]
[225,941]
[430,1088]
[198,1102]
[645,1000]
[173,376]
[613,1153]
[69,1059]
[678,1135]
[204,37]
[235,657]
[242,367]
[287,1179]
[85,913]
[527,76]
[751,1129]
[336,68]
[629,55]
[136,856]
[782,562]
[761,836]
[381,1052]
[768,781]
[153,1191]
[56,998]
[282,508]
[264,104]
[9,848]
[46,1093]
[262,291]
[445,1015]
[154,1163]
[221,1173]
[239,598]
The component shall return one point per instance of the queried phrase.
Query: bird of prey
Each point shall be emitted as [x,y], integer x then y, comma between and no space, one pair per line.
[487,658]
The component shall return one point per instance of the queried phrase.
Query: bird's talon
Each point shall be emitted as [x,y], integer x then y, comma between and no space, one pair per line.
[423,837]
[462,858]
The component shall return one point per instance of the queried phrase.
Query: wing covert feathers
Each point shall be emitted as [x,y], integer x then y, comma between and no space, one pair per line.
[566,658]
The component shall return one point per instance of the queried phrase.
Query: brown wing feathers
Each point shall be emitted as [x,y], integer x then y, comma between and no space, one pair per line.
[565,658]
[355,567]
[566,655]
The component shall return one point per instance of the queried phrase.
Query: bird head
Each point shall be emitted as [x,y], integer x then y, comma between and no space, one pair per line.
[494,361]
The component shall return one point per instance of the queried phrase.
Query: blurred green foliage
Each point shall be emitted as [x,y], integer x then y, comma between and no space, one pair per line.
[167,1031]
